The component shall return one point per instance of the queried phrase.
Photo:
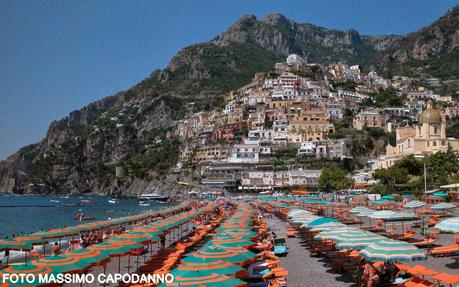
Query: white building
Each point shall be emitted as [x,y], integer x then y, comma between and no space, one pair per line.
[245,153]
[268,179]
[325,148]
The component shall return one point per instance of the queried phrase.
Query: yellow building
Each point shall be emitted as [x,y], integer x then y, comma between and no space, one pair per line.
[310,125]
[428,137]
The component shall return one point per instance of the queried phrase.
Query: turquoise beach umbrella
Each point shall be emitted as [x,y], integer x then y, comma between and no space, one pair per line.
[443,206]
[449,225]
[414,204]
[440,194]
[392,251]
[322,220]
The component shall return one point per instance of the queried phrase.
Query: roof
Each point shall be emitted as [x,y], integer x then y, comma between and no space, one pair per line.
[430,115]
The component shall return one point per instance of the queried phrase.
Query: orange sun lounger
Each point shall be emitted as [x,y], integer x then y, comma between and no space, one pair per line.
[424,241]
[445,250]
[447,278]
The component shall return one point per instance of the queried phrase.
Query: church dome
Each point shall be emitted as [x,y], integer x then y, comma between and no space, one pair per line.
[430,115]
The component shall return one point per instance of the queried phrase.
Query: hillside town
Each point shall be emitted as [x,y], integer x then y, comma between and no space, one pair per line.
[299,108]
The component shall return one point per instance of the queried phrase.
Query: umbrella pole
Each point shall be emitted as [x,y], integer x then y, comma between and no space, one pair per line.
[25,258]
[119,264]
[129,263]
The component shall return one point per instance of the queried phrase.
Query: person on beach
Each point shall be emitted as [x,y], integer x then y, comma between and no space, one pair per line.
[370,275]
[162,241]
[55,249]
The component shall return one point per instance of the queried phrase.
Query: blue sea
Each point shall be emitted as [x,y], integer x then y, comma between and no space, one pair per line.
[24,214]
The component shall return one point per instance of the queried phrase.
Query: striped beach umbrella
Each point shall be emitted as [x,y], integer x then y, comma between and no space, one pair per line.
[414,204]
[139,237]
[359,209]
[323,220]
[195,279]
[383,214]
[449,225]
[29,239]
[212,253]
[392,251]
[14,245]
[91,257]
[113,249]
[62,264]
[358,242]
[328,226]
[30,268]
[443,206]
[233,242]
[440,194]
[337,234]
[296,212]
[205,269]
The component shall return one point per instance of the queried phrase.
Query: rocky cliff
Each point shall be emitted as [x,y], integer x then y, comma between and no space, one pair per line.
[134,129]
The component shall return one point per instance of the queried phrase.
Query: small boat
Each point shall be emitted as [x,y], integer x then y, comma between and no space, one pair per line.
[152,196]
[55,201]
[113,201]
[70,204]
[87,201]
[81,217]
[65,197]
[142,203]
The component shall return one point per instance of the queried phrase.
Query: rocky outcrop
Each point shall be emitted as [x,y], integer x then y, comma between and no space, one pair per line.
[280,35]
[428,43]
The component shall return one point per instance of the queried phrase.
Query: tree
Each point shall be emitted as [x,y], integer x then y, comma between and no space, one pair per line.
[332,180]
[392,176]
[413,165]
[442,166]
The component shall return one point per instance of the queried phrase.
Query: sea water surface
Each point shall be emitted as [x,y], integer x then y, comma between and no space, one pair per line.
[24,214]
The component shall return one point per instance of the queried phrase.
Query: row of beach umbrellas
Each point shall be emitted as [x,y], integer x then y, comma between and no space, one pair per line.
[26,243]
[371,246]
[221,261]
[77,261]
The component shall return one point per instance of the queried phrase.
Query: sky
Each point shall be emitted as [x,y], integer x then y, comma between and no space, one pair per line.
[58,56]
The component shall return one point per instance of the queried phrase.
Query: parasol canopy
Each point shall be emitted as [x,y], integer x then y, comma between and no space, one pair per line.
[449,225]
[14,245]
[195,279]
[212,253]
[208,268]
[30,268]
[443,206]
[62,264]
[392,251]
[414,204]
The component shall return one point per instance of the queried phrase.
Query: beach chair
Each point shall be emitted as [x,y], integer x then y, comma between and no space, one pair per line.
[280,247]
[426,241]
[445,250]
[447,278]
[417,282]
